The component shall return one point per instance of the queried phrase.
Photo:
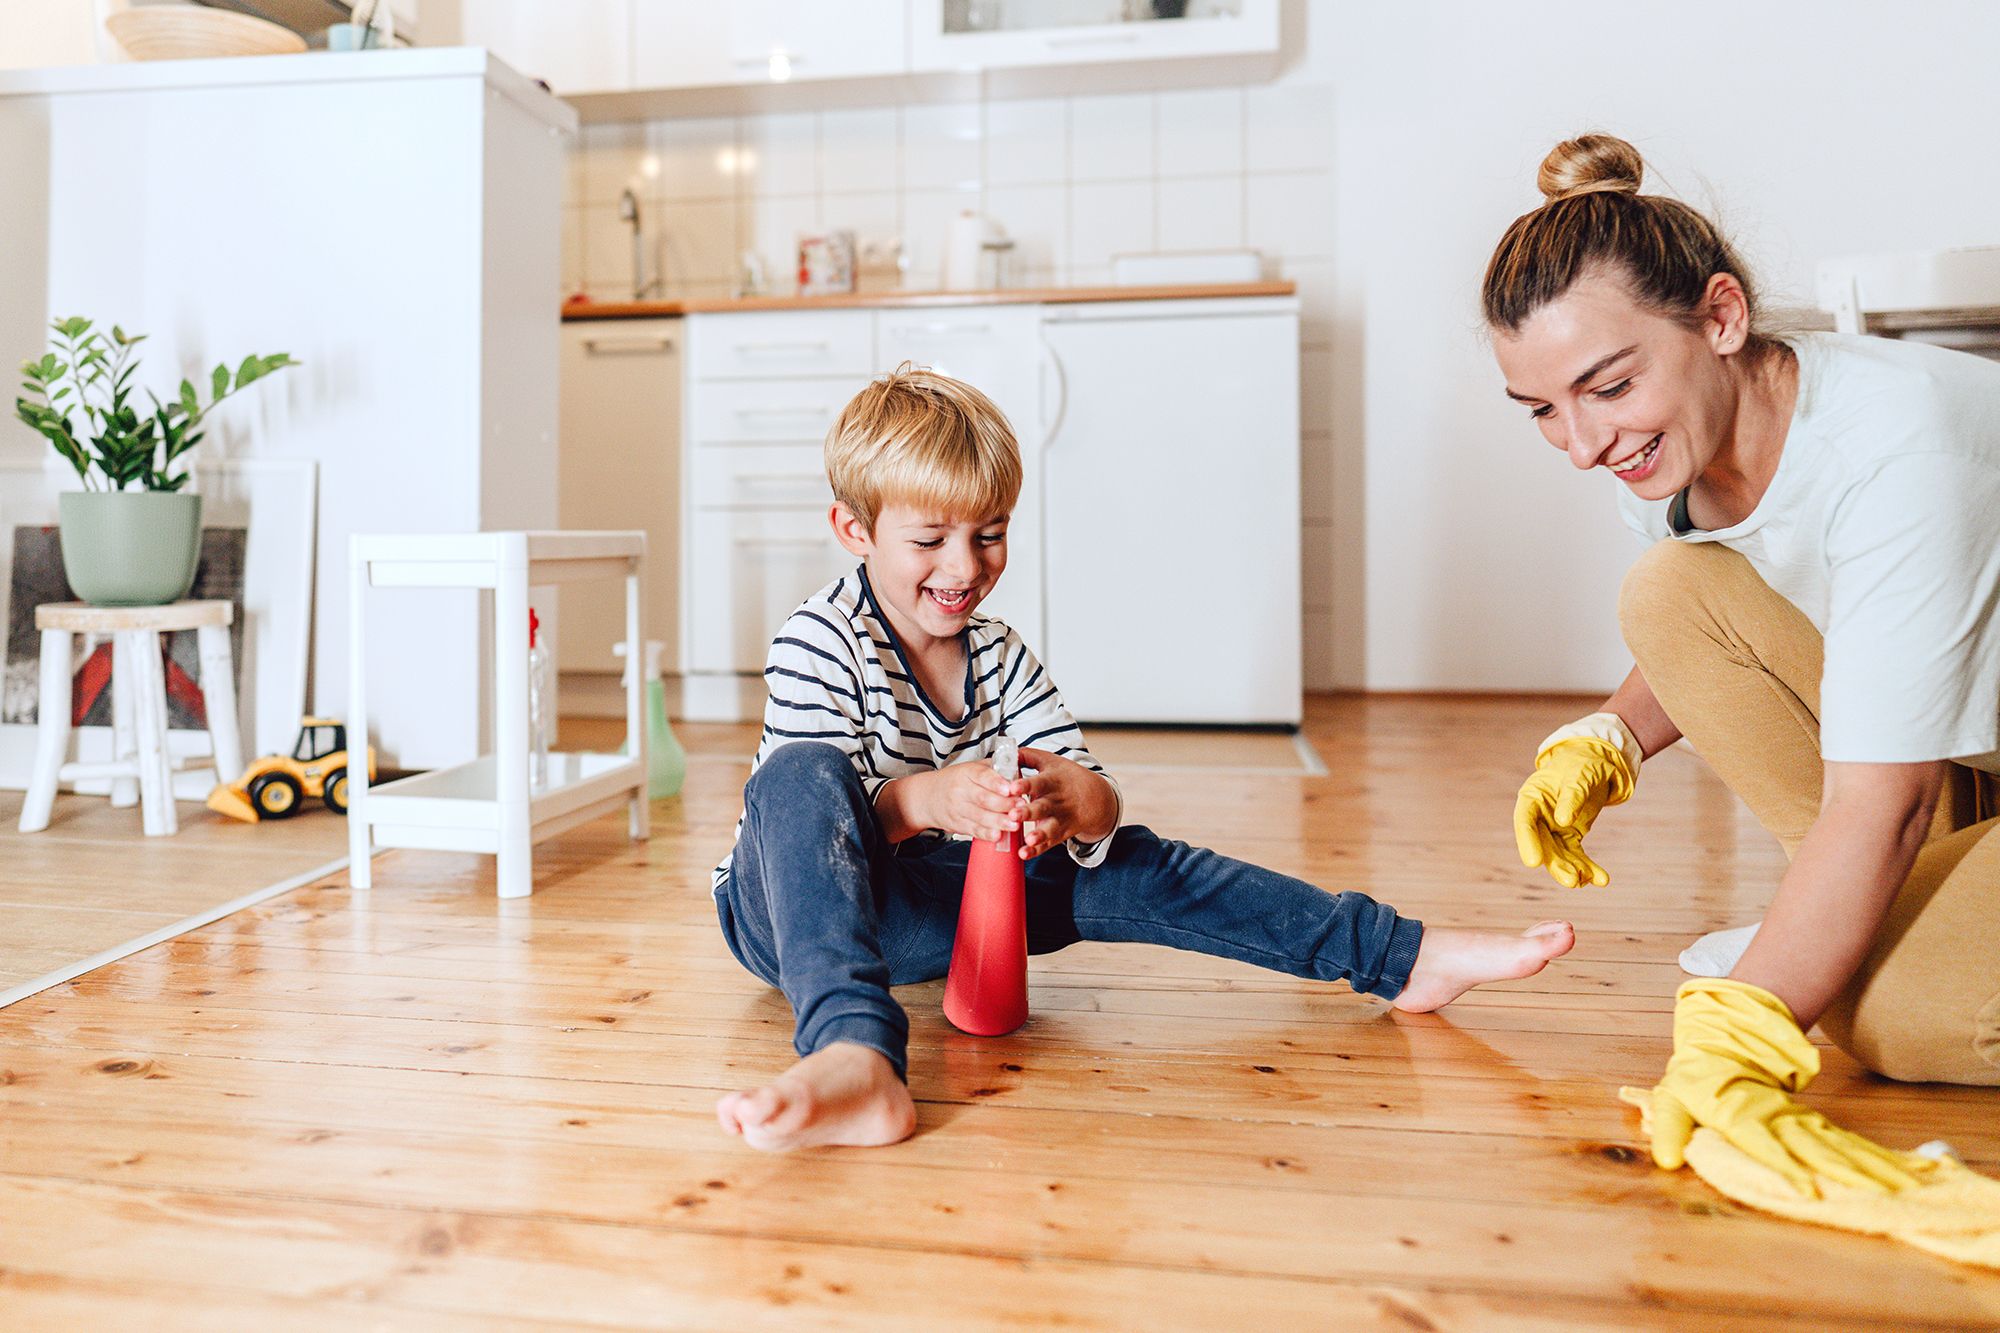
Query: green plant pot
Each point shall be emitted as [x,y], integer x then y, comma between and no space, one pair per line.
[130,548]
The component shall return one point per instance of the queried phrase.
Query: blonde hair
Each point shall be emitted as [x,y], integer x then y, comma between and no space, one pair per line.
[1594,220]
[923,439]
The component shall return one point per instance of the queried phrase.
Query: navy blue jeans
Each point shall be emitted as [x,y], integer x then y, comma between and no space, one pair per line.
[819,904]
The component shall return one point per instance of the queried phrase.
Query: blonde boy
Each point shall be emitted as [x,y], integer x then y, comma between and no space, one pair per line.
[887,692]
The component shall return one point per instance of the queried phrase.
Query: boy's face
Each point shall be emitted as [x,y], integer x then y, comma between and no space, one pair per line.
[929,570]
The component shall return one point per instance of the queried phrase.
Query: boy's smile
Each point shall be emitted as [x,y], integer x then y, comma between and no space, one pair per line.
[930,571]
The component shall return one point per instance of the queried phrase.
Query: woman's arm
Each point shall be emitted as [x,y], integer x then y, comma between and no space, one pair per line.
[1872,820]
[1643,717]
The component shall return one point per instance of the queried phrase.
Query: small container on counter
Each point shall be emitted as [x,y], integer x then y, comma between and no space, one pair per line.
[826,263]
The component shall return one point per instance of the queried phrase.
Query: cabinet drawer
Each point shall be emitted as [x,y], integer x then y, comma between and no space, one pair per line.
[798,411]
[758,476]
[747,571]
[782,342]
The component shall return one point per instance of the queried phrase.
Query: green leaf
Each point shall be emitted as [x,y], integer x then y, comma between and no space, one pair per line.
[218,383]
[189,403]
[250,370]
[74,327]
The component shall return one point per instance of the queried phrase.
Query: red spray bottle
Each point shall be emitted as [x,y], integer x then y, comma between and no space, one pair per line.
[986,992]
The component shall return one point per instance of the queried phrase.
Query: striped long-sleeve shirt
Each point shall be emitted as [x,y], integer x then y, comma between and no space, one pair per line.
[836,673]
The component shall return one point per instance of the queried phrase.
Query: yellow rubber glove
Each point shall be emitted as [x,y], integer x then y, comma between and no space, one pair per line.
[1738,1053]
[1578,771]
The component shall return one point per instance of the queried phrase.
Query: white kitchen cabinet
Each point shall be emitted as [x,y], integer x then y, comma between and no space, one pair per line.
[1153,557]
[619,450]
[1002,34]
[1171,511]
[761,390]
[698,43]
[996,350]
[770,560]
[579,46]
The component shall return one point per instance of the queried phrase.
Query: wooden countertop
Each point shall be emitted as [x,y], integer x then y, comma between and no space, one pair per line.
[901,299]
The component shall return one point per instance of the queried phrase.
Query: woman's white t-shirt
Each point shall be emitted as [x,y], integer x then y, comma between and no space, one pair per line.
[1882,525]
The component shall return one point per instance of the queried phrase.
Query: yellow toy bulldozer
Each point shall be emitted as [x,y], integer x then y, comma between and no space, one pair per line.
[273,787]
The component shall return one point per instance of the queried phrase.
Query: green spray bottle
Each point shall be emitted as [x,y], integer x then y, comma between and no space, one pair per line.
[666,761]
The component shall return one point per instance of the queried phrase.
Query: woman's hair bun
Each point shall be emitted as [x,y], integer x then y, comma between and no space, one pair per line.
[1588,164]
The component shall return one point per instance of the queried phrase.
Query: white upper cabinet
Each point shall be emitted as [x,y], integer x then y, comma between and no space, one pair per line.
[580,46]
[698,43]
[1001,34]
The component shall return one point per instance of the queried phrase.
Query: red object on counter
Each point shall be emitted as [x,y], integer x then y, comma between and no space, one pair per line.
[986,991]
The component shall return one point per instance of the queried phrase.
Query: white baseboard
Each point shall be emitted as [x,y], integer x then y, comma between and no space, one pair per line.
[700,698]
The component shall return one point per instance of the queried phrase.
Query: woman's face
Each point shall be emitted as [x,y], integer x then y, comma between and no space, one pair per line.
[1617,386]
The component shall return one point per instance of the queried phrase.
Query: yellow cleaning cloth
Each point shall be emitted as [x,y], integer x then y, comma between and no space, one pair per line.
[1952,1211]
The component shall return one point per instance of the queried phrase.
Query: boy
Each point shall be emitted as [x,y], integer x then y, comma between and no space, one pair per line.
[887,691]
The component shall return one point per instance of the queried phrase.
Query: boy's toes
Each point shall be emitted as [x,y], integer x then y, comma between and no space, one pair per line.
[1552,938]
[742,1111]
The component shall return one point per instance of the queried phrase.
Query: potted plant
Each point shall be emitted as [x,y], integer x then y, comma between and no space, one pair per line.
[129,538]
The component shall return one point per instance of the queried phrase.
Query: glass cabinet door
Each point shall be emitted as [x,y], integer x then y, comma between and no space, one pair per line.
[962,16]
[996,34]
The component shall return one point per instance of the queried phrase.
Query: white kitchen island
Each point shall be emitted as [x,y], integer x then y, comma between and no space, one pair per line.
[392,220]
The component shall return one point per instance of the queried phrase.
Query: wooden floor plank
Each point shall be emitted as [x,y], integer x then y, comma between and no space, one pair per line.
[422,1107]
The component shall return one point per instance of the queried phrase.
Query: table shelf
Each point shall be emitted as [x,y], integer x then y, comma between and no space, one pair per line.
[487,804]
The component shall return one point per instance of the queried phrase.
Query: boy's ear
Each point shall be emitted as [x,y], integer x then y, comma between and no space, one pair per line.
[850,531]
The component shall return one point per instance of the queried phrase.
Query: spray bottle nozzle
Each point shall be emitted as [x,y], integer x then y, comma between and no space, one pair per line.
[656,656]
[1007,757]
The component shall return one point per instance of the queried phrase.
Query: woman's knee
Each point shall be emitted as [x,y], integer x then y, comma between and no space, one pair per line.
[1663,591]
[1925,1005]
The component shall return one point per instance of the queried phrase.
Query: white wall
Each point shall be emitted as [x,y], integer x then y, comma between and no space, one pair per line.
[1446,546]
[1813,128]
[35,33]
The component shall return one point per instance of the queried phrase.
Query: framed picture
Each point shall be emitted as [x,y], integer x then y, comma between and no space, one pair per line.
[258,520]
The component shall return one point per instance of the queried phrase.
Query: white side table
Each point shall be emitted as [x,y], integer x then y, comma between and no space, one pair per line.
[138,705]
[487,804]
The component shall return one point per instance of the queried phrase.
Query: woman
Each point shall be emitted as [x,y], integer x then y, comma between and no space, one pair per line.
[1819,616]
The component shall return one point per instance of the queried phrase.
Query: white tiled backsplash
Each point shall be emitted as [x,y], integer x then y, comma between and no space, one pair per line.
[1073,180]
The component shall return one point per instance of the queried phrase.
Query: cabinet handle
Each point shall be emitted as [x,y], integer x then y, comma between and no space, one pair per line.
[783,348]
[941,327]
[821,411]
[1094,39]
[1062,395]
[781,479]
[781,543]
[762,61]
[620,346]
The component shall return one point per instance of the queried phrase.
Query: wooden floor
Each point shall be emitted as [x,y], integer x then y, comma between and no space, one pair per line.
[420,1107]
[92,882]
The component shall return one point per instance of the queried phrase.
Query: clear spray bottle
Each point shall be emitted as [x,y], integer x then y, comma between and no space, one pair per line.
[541,703]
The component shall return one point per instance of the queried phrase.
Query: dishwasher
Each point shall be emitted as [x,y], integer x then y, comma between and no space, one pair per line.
[1169,473]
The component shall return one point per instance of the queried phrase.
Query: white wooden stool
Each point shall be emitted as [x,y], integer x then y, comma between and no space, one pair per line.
[138,705]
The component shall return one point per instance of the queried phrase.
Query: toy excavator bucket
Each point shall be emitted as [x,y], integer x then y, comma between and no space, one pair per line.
[226,800]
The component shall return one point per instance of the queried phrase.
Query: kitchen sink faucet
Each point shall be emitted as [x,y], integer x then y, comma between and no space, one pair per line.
[628,213]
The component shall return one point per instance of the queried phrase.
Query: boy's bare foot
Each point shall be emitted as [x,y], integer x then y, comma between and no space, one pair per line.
[1452,962]
[841,1094]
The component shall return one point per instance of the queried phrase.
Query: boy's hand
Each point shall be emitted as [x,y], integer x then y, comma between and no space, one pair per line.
[970,798]
[1064,800]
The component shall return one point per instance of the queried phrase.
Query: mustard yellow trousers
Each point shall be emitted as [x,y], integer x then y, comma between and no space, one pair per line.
[1737,668]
